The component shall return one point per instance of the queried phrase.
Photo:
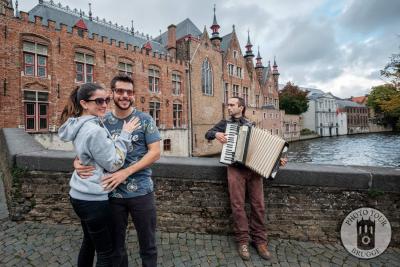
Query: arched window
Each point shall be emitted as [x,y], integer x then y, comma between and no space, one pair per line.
[206,78]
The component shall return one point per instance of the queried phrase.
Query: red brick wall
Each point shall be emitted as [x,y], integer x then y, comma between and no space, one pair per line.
[61,70]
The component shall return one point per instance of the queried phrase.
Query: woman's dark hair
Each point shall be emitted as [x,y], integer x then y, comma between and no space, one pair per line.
[73,108]
[241,103]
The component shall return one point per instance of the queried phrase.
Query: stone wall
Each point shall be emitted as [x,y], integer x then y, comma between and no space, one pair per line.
[305,202]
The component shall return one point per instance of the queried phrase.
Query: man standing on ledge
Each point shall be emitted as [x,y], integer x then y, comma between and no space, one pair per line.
[240,178]
[131,187]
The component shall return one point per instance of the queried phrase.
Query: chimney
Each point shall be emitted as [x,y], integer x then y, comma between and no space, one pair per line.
[172,40]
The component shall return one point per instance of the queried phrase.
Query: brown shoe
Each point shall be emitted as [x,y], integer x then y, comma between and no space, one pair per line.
[244,253]
[263,251]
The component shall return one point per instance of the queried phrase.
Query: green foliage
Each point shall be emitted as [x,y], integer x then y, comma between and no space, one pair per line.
[293,100]
[306,131]
[17,172]
[392,70]
[386,99]
[373,193]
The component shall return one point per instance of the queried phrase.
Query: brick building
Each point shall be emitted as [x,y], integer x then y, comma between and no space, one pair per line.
[182,77]
[357,116]
[52,49]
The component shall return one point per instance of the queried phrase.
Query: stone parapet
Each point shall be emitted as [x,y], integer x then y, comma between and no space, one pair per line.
[304,202]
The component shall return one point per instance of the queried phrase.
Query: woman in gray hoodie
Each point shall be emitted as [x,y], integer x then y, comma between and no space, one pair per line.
[94,145]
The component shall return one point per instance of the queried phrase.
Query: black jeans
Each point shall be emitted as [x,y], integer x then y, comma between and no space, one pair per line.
[143,212]
[96,224]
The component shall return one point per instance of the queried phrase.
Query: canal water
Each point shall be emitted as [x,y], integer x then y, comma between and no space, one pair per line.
[375,149]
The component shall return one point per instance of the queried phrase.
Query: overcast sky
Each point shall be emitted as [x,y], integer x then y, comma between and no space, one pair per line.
[337,46]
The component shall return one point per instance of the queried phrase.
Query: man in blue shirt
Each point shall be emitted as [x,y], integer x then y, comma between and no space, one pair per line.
[131,188]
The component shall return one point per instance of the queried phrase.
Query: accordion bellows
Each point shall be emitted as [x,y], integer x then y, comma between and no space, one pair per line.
[253,147]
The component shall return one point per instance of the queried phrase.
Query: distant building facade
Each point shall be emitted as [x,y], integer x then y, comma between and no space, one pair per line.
[321,114]
[357,116]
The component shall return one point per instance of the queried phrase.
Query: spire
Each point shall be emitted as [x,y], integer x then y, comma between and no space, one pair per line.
[248,39]
[215,27]
[133,29]
[205,33]
[90,11]
[215,18]
[258,58]
[275,67]
[249,52]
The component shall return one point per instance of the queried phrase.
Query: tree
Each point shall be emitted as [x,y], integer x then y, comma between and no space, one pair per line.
[386,99]
[293,100]
[392,70]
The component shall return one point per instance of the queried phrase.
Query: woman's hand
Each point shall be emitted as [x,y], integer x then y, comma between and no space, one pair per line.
[82,170]
[131,125]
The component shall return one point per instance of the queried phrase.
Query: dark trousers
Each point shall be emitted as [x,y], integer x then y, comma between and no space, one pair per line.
[240,179]
[143,213]
[97,229]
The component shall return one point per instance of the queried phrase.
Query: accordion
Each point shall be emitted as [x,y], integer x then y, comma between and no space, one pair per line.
[253,147]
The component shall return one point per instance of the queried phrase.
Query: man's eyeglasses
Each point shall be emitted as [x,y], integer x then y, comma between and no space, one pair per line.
[120,91]
[100,101]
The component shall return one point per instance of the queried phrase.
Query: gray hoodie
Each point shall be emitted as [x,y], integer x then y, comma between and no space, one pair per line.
[94,146]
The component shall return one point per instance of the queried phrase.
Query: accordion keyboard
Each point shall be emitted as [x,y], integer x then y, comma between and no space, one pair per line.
[229,148]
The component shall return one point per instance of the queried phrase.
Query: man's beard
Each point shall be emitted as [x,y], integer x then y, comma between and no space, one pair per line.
[124,108]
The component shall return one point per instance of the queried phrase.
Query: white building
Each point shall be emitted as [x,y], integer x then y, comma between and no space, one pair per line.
[321,114]
[342,121]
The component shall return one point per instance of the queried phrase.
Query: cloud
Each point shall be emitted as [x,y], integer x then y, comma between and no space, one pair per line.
[368,16]
[338,46]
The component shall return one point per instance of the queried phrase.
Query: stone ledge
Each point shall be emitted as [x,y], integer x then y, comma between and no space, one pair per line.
[25,152]
[15,142]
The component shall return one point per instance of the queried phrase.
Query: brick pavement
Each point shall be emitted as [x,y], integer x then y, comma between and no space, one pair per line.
[34,244]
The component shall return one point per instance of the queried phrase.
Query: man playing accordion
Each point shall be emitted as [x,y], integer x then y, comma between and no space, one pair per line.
[241,178]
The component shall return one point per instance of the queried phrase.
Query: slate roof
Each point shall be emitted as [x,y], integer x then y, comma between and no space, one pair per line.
[64,15]
[225,42]
[265,75]
[183,28]
[348,103]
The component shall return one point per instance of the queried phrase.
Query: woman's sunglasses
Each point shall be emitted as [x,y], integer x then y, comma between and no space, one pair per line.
[100,101]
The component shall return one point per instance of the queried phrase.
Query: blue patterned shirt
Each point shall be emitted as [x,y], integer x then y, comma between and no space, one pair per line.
[139,183]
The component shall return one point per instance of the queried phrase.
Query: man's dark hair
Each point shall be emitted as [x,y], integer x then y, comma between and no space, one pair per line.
[121,78]
[241,103]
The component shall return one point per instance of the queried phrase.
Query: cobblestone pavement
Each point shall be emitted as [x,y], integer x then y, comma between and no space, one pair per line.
[45,245]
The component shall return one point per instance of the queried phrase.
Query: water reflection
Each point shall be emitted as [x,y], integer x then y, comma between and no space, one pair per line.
[377,149]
